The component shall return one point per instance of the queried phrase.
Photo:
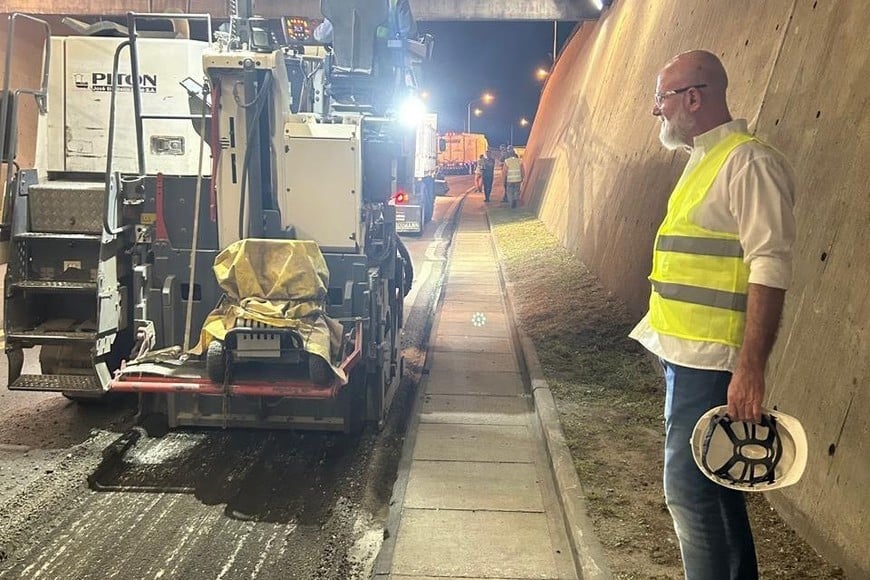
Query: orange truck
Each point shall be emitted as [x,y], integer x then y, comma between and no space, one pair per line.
[457,152]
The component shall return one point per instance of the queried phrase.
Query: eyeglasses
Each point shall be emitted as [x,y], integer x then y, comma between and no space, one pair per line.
[659,98]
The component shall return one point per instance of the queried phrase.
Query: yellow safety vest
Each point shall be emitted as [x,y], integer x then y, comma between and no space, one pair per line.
[513,169]
[699,279]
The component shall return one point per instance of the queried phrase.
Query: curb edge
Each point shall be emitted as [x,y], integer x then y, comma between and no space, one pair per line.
[587,549]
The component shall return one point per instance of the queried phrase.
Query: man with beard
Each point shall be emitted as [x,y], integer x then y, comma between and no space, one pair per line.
[721,264]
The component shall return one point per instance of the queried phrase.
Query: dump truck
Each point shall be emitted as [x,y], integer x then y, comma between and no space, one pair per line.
[238,264]
[459,152]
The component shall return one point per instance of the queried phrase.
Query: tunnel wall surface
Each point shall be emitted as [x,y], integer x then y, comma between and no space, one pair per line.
[599,179]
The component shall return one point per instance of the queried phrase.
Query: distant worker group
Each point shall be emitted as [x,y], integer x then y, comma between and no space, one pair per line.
[512,173]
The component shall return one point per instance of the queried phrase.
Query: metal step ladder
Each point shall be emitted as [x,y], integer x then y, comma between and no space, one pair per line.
[51,284]
[54,258]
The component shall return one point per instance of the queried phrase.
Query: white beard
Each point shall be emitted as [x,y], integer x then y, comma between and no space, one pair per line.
[674,133]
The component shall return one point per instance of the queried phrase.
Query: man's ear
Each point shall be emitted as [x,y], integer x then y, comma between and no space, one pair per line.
[695,99]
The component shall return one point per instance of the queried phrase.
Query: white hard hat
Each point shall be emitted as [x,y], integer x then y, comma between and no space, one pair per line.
[749,456]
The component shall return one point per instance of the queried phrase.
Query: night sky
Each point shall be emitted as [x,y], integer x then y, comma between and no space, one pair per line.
[500,57]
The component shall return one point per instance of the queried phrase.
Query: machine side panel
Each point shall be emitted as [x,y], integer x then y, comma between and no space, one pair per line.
[426,157]
[323,197]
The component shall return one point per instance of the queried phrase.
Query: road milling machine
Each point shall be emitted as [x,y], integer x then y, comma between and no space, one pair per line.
[238,262]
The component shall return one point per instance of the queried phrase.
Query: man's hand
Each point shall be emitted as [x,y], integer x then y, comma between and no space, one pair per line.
[746,389]
[745,395]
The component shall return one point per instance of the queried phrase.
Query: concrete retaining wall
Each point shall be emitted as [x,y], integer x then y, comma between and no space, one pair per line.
[800,73]
[26,71]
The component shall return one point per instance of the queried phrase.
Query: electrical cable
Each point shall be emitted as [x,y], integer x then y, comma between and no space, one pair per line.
[215,151]
[308,77]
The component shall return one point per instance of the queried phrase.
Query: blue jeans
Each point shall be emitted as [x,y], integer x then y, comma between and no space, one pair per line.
[710,520]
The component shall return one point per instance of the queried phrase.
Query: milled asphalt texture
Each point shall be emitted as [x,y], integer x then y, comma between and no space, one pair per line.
[486,486]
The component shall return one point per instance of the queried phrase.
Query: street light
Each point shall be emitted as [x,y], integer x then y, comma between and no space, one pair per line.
[485,98]
[541,73]
[523,122]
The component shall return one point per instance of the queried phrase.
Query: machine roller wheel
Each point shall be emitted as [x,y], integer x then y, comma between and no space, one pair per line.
[216,361]
[319,371]
[155,424]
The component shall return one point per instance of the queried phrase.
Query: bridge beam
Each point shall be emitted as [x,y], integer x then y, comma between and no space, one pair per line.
[426,10]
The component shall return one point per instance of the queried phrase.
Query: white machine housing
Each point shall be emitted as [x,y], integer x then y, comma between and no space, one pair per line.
[80,89]
[317,167]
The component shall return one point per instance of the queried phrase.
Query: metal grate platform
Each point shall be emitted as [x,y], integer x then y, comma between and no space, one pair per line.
[50,337]
[59,383]
[58,236]
[55,285]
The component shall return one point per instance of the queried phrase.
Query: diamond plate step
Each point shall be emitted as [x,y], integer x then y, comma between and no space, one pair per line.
[66,206]
[57,383]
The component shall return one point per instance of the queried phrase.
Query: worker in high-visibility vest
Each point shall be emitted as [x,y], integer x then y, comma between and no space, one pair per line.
[513,178]
[721,264]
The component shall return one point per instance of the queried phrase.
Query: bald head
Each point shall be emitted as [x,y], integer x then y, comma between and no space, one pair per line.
[697,67]
[693,85]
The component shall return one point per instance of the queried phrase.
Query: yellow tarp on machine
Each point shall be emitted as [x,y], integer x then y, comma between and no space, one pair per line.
[281,283]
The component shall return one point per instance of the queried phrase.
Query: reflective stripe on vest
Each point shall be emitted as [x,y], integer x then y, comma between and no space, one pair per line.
[699,279]
[706,246]
[702,296]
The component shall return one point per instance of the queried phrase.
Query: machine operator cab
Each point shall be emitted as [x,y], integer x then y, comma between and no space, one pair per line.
[373,54]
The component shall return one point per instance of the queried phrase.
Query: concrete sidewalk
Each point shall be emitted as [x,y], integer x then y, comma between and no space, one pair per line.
[475,483]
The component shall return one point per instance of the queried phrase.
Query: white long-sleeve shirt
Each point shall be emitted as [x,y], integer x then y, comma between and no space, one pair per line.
[753,197]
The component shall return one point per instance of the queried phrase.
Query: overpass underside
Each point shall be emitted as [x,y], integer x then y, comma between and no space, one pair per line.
[423,9]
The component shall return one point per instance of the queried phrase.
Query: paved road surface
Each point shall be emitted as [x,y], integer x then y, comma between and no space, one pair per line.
[203,504]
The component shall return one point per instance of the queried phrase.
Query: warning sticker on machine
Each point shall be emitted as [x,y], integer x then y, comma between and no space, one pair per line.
[408,219]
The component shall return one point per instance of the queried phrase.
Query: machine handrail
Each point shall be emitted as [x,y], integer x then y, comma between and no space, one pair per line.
[111,185]
[112,189]
[41,102]
[132,20]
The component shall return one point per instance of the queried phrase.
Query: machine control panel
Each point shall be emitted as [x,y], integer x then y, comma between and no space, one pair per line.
[300,30]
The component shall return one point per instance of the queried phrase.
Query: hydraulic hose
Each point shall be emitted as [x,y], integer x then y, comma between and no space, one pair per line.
[407,265]
[258,103]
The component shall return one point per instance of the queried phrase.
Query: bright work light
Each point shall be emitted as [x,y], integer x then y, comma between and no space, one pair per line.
[411,111]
